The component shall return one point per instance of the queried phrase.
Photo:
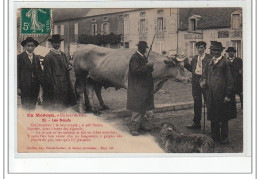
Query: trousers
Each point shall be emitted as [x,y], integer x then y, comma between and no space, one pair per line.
[136,120]
[197,93]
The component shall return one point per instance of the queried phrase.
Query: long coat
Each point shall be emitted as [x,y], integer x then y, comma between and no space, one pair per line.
[29,78]
[192,67]
[236,67]
[140,85]
[219,84]
[58,88]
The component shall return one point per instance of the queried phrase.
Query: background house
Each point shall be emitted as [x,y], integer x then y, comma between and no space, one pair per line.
[174,30]
[210,24]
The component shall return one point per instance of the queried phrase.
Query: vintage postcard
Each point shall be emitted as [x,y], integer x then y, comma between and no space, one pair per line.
[84,106]
[150,80]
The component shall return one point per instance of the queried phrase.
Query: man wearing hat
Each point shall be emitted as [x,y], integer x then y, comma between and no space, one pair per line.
[236,68]
[58,91]
[140,88]
[29,74]
[219,85]
[196,66]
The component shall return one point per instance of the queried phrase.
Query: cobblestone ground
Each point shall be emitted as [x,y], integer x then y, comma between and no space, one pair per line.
[183,118]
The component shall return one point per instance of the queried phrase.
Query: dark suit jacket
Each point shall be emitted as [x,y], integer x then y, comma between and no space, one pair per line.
[235,67]
[140,85]
[29,75]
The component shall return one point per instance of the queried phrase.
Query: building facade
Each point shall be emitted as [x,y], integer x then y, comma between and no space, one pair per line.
[210,24]
[149,24]
[171,30]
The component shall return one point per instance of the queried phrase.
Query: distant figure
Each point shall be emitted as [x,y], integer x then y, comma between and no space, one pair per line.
[236,68]
[219,85]
[29,74]
[36,25]
[140,88]
[196,66]
[58,92]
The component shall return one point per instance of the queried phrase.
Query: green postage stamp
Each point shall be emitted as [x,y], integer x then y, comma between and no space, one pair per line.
[35,21]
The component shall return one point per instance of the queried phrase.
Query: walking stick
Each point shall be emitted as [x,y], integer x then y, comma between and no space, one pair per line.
[151,46]
[204,116]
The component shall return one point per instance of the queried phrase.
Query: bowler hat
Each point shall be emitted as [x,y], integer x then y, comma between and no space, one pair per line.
[231,49]
[29,39]
[201,43]
[142,44]
[55,38]
[216,46]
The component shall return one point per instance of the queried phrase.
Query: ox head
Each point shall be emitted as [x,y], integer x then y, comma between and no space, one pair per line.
[178,61]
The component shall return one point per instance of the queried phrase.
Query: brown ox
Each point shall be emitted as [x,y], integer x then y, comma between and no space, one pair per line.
[98,66]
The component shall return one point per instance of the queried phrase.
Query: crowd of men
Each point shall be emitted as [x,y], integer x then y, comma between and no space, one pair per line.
[217,78]
[54,79]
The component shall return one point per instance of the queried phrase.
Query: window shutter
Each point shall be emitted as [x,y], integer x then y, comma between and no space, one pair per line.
[164,24]
[102,29]
[139,26]
[108,28]
[95,29]
[155,25]
[92,29]
[76,28]
[55,29]
[146,25]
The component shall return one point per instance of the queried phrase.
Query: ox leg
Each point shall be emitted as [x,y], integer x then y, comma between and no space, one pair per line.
[98,89]
[80,86]
[90,87]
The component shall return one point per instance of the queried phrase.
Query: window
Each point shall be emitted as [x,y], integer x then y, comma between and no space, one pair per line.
[94,29]
[105,28]
[142,14]
[236,21]
[142,25]
[105,19]
[62,46]
[192,25]
[76,28]
[120,27]
[160,12]
[160,24]
[160,47]
[193,20]
[93,20]
[61,29]
[126,44]
[126,26]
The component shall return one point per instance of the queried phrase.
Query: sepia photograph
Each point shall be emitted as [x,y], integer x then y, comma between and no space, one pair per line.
[130,80]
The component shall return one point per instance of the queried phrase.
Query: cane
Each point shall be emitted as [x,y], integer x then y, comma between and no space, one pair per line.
[220,132]
[204,116]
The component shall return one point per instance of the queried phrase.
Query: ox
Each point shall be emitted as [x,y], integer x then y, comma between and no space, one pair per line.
[96,67]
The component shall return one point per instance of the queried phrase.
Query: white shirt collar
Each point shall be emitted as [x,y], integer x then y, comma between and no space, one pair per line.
[28,53]
[216,60]
[202,56]
[140,53]
[56,51]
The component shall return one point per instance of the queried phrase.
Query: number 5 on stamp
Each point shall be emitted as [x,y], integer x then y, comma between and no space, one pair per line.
[36,21]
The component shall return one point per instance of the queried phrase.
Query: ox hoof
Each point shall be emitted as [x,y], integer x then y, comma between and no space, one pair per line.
[104,107]
[92,110]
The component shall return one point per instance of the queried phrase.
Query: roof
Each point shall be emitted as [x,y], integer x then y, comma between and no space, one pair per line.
[72,13]
[210,17]
[68,14]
